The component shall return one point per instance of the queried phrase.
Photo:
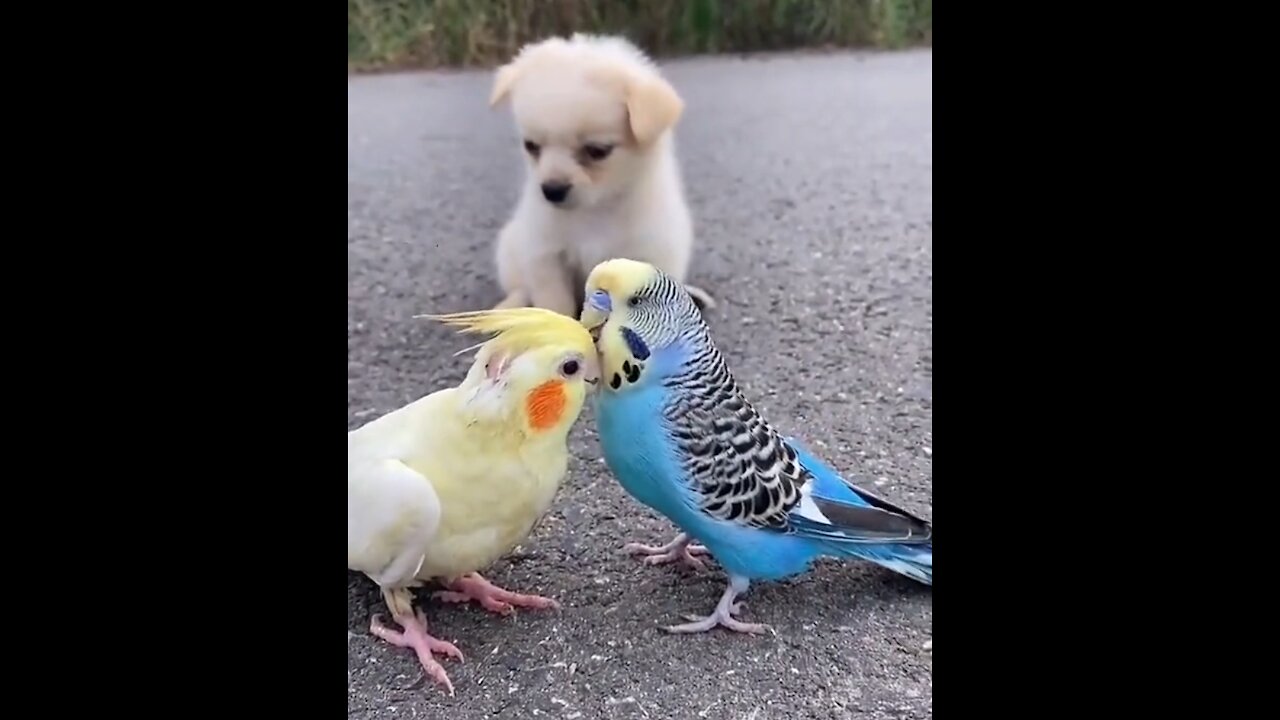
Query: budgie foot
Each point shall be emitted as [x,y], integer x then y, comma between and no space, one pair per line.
[415,636]
[473,586]
[678,550]
[723,615]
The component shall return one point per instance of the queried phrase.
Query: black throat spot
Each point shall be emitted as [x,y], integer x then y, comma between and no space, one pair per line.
[638,349]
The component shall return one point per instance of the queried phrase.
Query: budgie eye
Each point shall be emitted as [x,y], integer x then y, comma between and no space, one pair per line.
[634,300]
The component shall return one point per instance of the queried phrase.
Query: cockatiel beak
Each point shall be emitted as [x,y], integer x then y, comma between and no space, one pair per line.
[595,312]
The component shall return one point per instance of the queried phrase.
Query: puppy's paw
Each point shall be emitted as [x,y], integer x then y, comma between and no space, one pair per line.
[555,299]
[703,298]
[568,309]
[516,299]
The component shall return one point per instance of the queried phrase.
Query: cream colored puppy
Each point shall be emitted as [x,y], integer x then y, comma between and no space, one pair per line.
[595,119]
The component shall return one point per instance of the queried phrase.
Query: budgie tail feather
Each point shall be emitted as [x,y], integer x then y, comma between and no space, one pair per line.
[863,525]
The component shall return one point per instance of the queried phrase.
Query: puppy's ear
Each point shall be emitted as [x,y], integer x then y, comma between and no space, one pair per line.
[503,81]
[652,107]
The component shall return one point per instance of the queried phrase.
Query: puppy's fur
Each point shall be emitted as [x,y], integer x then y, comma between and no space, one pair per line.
[593,114]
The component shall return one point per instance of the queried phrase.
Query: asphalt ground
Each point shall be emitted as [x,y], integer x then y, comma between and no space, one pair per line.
[811,181]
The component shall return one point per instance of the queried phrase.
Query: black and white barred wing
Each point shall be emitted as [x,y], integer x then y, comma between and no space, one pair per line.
[743,471]
[738,466]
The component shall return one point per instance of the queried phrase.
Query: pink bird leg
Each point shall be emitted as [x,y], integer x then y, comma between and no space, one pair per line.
[415,636]
[723,615]
[678,550]
[473,586]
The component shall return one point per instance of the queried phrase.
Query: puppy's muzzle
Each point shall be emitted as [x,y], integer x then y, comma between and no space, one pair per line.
[556,192]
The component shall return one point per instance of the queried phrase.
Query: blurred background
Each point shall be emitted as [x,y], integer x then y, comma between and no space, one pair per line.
[809,175]
[420,34]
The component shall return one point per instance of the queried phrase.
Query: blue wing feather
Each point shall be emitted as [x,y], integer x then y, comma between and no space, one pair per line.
[849,513]
[827,484]
[859,524]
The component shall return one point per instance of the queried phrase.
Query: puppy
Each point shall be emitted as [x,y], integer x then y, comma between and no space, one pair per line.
[595,119]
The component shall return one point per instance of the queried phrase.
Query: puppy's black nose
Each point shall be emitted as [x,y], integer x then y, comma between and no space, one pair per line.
[555,192]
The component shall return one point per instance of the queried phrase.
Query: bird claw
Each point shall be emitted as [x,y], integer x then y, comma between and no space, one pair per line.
[723,616]
[685,560]
[491,597]
[494,606]
[735,610]
[698,624]
[415,636]
[678,550]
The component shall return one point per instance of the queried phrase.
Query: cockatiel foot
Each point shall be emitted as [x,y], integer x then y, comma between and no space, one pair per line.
[473,586]
[415,636]
[678,550]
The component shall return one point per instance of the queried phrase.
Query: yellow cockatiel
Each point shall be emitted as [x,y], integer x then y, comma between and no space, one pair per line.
[446,485]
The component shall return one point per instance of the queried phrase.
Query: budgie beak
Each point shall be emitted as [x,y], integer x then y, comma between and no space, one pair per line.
[595,312]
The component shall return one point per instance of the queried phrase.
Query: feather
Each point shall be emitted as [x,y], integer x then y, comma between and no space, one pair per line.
[516,330]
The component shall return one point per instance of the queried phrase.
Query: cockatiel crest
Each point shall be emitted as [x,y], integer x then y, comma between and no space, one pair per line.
[535,371]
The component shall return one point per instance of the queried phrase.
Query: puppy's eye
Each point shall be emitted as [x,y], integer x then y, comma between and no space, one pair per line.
[569,368]
[597,152]
[532,148]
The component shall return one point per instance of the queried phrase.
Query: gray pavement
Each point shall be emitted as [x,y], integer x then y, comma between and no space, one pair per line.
[811,180]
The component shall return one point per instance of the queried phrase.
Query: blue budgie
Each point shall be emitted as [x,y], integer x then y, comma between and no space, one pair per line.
[681,438]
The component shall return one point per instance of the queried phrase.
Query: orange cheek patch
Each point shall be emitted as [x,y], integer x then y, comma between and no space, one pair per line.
[545,405]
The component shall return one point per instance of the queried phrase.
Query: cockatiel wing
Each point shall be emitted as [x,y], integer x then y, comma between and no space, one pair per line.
[392,515]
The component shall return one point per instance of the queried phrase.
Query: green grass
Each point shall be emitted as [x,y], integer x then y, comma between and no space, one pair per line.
[384,34]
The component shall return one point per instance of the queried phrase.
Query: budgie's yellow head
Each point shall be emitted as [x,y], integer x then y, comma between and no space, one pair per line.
[635,310]
[536,369]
